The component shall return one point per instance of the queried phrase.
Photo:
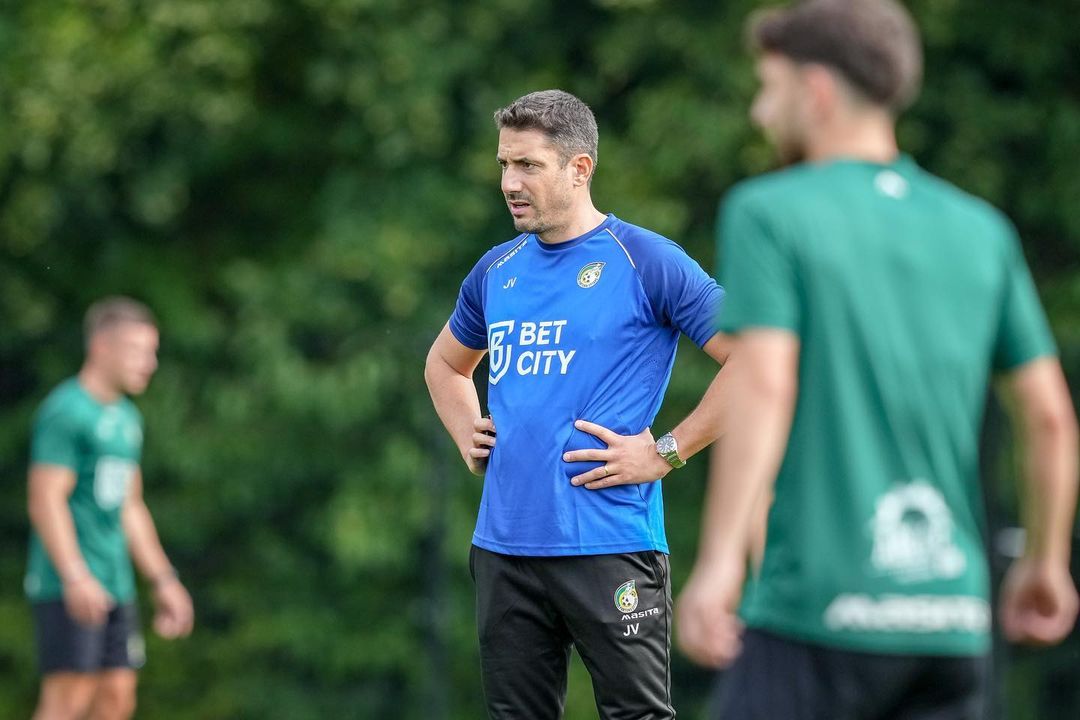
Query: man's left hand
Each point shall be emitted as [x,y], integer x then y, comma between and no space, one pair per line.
[707,626]
[175,616]
[628,459]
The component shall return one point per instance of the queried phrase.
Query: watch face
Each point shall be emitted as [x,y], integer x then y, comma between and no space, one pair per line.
[665,445]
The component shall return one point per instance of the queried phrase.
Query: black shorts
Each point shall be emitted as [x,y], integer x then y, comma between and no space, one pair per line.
[615,609]
[65,645]
[776,677]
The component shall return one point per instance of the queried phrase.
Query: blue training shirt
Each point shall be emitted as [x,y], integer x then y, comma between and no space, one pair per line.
[584,329]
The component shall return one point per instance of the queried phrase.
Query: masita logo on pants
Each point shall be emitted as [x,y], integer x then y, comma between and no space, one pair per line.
[543,356]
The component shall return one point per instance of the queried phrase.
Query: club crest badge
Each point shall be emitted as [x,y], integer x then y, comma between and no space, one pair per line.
[626,598]
[590,274]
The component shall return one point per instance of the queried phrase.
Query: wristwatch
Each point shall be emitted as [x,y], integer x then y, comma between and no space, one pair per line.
[667,448]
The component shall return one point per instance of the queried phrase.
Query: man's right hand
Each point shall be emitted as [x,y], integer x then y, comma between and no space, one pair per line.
[86,600]
[483,440]
[707,625]
[1038,602]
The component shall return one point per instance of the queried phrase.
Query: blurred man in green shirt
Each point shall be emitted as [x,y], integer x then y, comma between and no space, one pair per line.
[871,302]
[89,520]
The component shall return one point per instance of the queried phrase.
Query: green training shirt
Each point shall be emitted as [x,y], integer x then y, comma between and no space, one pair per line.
[102,445]
[905,293]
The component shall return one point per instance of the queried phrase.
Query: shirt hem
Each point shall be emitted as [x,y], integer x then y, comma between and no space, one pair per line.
[119,598]
[624,546]
[876,643]
[1024,359]
[734,328]
[467,341]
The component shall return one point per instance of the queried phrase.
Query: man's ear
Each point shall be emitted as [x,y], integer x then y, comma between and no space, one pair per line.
[98,343]
[824,89]
[583,169]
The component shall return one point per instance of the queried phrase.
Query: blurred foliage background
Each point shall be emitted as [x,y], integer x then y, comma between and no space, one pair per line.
[297,187]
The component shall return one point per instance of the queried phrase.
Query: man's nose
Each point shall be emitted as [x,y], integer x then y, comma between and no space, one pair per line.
[758,112]
[511,181]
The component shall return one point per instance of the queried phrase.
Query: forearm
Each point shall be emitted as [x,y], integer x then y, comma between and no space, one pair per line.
[54,524]
[143,542]
[759,520]
[1037,398]
[1050,470]
[456,403]
[749,456]
[706,423]
[747,468]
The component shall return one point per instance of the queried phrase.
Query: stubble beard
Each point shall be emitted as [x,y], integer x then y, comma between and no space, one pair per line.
[784,131]
[790,150]
[790,139]
[557,216]
[554,216]
[536,225]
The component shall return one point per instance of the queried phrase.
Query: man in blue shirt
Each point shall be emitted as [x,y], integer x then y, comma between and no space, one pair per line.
[581,314]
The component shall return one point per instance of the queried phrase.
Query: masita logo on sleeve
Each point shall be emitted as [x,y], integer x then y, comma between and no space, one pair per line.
[543,355]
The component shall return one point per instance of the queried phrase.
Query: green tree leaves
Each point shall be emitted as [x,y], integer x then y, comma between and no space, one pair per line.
[298,188]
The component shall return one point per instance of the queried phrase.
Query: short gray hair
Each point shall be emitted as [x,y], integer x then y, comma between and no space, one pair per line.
[565,119]
[111,311]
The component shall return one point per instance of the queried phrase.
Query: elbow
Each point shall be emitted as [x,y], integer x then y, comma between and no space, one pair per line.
[36,504]
[436,371]
[1052,416]
[44,494]
[128,514]
[431,369]
[776,389]
[1059,423]
[766,362]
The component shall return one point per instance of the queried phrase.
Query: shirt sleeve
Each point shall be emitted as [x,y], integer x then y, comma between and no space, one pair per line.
[680,292]
[467,322]
[140,423]
[55,440]
[758,270]
[1024,333]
